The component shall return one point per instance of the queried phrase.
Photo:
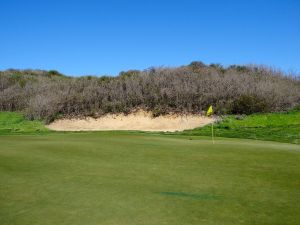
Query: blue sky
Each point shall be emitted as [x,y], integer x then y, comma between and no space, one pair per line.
[106,37]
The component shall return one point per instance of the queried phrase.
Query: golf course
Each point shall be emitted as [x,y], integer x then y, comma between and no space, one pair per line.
[149,112]
[122,177]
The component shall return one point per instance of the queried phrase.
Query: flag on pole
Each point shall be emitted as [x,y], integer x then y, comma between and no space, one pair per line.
[209,111]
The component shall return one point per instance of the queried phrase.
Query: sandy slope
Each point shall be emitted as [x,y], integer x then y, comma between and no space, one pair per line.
[135,121]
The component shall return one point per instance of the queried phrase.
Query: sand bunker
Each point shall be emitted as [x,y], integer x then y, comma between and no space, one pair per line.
[139,120]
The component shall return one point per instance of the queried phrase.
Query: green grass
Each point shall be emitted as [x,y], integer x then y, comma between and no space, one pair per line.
[282,127]
[140,178]
[15,123]
[119,178]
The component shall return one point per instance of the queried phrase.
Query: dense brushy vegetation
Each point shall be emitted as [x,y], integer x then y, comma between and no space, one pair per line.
[187,89]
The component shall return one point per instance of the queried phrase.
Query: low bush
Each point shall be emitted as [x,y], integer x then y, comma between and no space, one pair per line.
[186,89]
[248,104]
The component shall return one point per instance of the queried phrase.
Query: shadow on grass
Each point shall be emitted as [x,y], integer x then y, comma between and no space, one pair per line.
[194,196]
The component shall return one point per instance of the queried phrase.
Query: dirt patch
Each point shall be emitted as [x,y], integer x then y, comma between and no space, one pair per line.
[140,120]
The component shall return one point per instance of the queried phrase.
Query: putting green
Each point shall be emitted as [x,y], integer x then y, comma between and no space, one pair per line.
[121,178]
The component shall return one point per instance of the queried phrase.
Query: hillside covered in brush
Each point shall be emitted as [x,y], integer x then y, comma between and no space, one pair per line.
[235,89]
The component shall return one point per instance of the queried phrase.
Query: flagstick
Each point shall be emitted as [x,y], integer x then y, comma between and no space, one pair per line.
[212,133]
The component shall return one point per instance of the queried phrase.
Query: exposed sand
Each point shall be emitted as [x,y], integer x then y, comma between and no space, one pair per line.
[139,120]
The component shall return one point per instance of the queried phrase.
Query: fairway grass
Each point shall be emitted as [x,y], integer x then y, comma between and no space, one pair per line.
[119,178]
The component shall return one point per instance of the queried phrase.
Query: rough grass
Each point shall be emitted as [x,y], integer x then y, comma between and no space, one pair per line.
[282,127]
[15,123]
[117,178]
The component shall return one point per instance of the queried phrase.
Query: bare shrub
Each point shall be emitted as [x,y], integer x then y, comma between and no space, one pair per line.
[236,89]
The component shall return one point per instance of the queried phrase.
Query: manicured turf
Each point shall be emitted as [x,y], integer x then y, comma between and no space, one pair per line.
[119,178]
[282,127]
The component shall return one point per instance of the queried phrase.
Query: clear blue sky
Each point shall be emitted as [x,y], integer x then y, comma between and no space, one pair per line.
[105,37]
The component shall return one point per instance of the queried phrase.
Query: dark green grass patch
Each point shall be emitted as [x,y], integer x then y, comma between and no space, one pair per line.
[118,178]
[189,195]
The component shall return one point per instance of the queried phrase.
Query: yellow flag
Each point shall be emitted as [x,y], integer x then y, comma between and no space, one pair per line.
[209,111]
